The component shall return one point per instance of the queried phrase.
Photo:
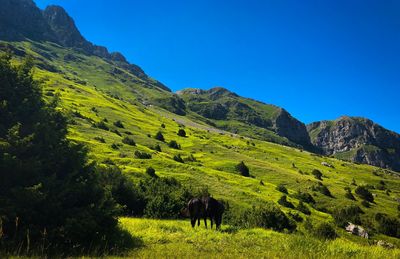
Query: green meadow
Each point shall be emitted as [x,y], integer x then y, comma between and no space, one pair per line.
[90,96]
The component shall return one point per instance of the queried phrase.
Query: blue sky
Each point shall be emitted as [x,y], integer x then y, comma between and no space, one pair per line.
[317,59]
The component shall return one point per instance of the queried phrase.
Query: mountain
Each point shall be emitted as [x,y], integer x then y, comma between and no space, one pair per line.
[357,139]
[116,110]
[229,111]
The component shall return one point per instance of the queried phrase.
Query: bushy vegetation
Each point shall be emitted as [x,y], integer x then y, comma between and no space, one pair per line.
[284,202]
[388,225]
[317,174]
[159,136]
[151,172]
[303,208]
[282,188]
[46,183]
[119,124]
[181,133]
[364,193]
[142,155]
[265,216]
[178,158]
[305,197]
[343,215]
[128,141]
[325,231]
[243,169]
[174,144]
[322,189]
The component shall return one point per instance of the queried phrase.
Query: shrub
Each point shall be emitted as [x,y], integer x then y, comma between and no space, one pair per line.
[284,202]
[128,141]
[191,158]
[163,125]
[159,136]
[317,174]
[142,155]
[281,188]
[325,231]
[101,125]
[322,189]
[165,197]
[296,216]
[346,214]
[364,193]
[242,169]
[305,197]
[178,158]
[348,194]
[119,124]
[365,204]
[265,216]
[388,225]
[100,139]
[151,172]
[181,133]
[116,132]
[157,148]
[115,146]
[174,144]
[303,208]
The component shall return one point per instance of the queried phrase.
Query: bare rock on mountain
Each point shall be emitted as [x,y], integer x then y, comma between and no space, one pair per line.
[358,140]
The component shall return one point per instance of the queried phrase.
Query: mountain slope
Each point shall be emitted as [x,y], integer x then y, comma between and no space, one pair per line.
[245,116]
[106,103]
[359,140]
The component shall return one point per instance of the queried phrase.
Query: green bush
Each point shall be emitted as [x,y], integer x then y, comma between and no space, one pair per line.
[101,125]
[119,124]
[295,216]
[305,197]
[281,188]
[303,208]
[159,136]
[364,193]
[128,141]
[181,133]
[242,169]
[265,216]
[322,189]
[151,172]
[343,215]
[178,158]
[142,155]
[157,148]
[325,231]
[388,225]
[284,202]
[365,204]
[317,174]
[348,194]
[174,144]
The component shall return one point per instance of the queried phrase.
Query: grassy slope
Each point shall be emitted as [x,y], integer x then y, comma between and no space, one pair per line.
[217,152]
[176,239]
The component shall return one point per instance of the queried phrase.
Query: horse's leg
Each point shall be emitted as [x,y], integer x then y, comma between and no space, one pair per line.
[193,221]
[205,221]
[198,221]
[211,222]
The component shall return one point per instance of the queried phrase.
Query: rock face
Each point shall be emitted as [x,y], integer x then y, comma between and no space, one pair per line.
[22,19]
[357,139]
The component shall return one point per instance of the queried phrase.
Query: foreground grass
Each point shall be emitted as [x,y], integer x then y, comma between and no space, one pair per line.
[176,239]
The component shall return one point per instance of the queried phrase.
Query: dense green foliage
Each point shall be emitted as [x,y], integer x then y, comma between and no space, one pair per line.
[243,169]
[49,193]
[364,193]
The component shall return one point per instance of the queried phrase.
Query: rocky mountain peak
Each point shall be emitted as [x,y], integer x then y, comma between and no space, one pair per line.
[64,27]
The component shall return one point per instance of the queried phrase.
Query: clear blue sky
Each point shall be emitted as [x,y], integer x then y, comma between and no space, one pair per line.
[317,59]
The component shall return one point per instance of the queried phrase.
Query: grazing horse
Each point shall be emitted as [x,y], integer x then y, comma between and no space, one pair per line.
[214,210]
[196,211]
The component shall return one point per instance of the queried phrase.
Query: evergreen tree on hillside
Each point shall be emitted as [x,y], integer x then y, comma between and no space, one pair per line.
[48,190]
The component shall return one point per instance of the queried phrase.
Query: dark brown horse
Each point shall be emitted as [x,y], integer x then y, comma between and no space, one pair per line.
[196,210]
[213,210]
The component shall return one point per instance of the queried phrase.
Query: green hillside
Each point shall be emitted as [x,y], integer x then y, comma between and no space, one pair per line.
[105,107]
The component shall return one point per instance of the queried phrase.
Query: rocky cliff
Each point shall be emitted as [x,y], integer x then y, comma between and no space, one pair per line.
[357,139]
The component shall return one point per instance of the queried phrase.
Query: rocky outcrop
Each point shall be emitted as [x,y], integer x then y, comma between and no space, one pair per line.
[357,139]
[289,127]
